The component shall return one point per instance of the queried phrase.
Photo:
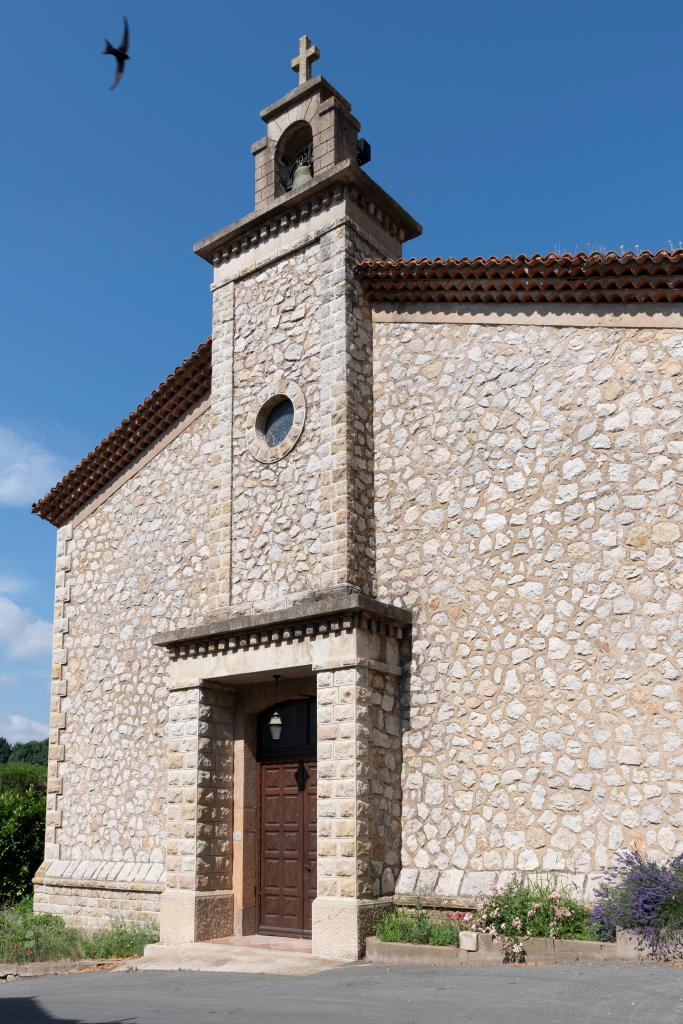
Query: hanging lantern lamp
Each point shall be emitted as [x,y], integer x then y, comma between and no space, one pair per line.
[275,725]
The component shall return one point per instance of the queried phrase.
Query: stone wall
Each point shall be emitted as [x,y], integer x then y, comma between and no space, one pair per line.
[198,903]
[276,530]
[359,796]
[129,568]
[379,757]
[528,511]
[304,522]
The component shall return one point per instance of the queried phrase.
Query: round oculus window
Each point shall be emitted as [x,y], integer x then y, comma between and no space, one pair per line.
[278,422]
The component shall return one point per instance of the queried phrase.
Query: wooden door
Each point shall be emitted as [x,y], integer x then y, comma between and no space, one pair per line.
[288,847]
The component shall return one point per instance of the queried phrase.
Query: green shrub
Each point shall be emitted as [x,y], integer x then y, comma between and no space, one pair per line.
[119,940]
[522,909]
[31,752]
[531,909]
[5,749]
[645,896]
[536,910]
[17,777]
[421,927]
[25,938]
[22,833]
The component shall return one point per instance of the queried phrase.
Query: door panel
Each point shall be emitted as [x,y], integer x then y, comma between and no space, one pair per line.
[288,847]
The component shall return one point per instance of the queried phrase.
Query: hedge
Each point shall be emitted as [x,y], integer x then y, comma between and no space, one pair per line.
[22,834]
[19,778]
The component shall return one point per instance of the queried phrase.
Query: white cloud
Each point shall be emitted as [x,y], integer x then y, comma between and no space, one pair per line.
[22,633]
[27,470]
[11,585]
[17,729]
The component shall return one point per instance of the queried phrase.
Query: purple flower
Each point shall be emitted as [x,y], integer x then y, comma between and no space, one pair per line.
[646,897]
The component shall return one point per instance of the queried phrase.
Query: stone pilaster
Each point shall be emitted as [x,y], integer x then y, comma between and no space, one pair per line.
[53,819]
[198,901]
[220,500]
[359,806]
[346,484]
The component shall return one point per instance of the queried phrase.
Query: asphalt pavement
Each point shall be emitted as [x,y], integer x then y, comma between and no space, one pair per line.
[355,994]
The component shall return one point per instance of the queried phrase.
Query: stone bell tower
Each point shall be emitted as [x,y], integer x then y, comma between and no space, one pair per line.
[292,338]
[289,606]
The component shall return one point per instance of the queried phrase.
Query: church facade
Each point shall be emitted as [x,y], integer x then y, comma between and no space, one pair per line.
[377,596]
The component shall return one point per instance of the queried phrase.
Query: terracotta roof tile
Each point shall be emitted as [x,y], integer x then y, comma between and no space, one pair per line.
[182,389]
[584,277]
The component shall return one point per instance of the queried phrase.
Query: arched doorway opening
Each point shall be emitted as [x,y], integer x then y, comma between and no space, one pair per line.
[286,754]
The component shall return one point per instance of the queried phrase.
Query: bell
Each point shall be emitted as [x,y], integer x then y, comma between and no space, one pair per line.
[302,177]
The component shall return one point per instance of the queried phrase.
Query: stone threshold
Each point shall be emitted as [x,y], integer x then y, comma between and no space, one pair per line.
[477,948]
[296,945]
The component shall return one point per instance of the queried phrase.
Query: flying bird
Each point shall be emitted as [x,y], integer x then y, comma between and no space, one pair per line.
[120,52]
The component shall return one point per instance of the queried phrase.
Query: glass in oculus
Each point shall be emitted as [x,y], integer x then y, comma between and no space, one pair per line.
[279,423]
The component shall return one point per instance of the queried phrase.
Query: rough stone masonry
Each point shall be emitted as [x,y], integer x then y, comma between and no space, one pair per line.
[527,510]
[466,546]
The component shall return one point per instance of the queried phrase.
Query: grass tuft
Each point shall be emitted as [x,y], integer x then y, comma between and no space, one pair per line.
[422,927]
[29,938]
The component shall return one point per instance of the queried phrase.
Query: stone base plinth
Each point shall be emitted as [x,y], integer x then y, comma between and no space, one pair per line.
[92,905]
[190,916]
[341,926]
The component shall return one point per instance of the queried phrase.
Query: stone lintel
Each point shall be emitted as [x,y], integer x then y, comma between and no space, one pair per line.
[358,662]
[318,85]
[312,609]
[345,173]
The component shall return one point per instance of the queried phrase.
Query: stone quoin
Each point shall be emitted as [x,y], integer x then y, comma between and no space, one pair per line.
[378,594]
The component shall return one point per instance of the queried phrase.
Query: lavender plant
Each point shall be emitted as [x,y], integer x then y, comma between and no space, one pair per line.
[645,897]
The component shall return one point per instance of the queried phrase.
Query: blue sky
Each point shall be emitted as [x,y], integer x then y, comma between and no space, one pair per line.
[502,127]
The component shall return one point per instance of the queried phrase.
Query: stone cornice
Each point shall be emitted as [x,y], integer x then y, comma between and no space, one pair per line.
[323,614]
[319,84]
[344,182]
[126,876]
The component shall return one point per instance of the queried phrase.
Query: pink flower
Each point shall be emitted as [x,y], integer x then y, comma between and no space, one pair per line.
[516,922]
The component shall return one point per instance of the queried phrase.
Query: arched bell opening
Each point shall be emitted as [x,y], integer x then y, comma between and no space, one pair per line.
[294,158]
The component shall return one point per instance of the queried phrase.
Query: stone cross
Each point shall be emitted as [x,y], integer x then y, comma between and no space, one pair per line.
[305,57]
